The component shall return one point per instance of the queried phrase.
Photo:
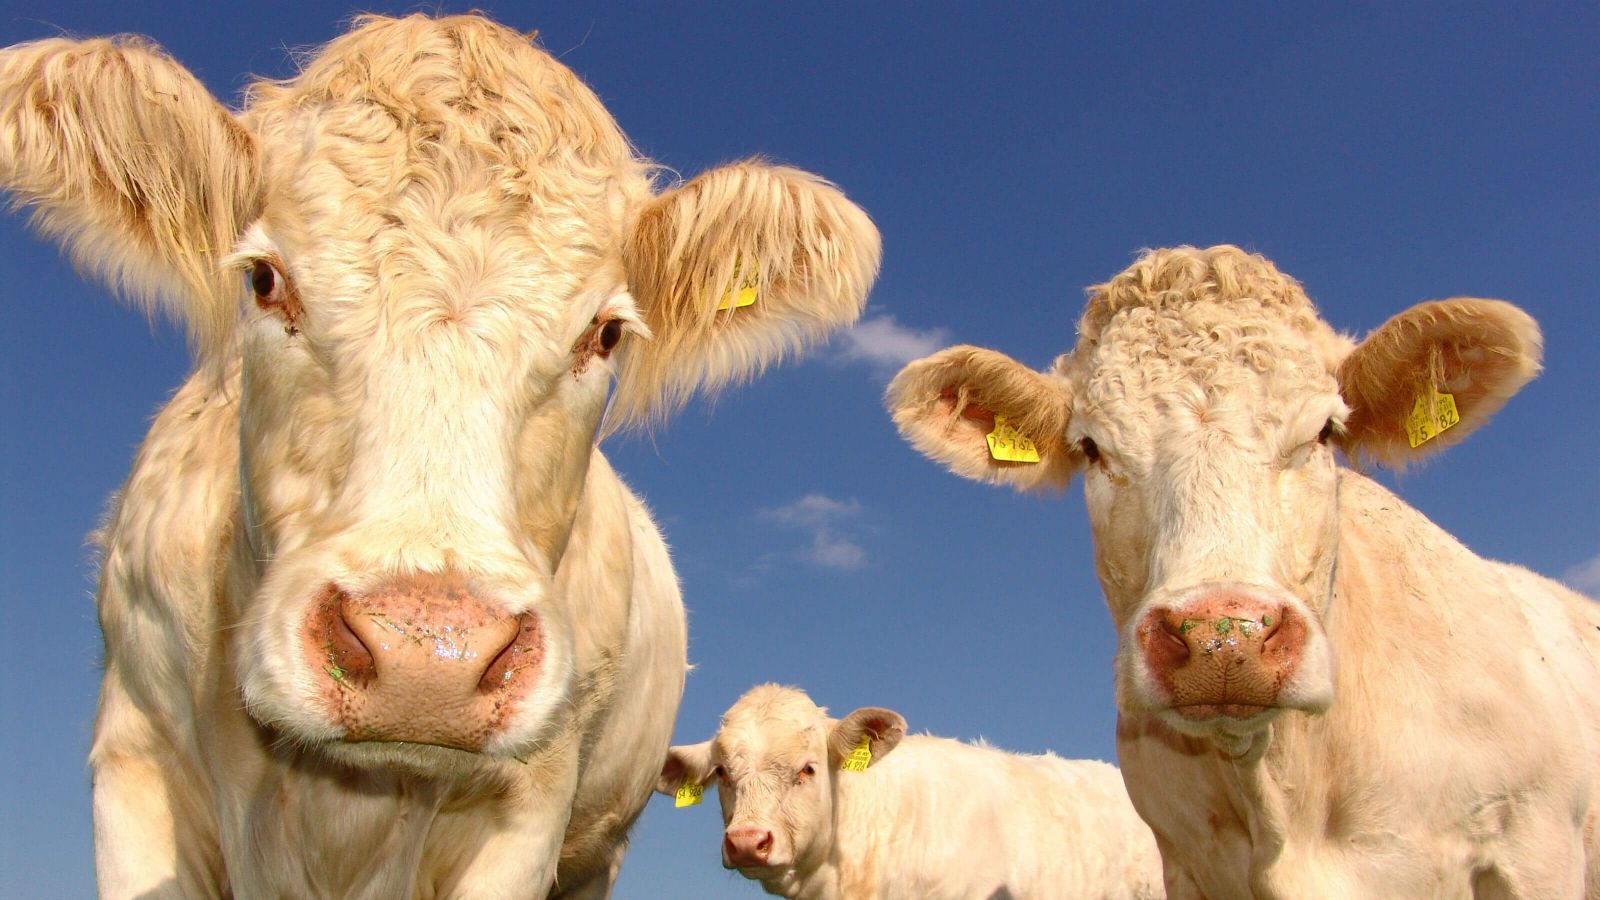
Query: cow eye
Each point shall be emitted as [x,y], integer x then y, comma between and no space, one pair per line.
[264,281]
[1325,433]
[610,334]
[1090,449]
[721,773]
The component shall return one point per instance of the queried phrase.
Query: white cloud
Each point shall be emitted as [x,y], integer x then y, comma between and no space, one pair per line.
[820,515]
[834,552]
[884,343]
[1584,577]
[813,509]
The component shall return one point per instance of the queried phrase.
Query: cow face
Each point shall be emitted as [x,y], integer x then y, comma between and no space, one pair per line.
[427,259]
[1203,403]
[777,762]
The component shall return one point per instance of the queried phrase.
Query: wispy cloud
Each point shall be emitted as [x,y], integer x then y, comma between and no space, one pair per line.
[1584,577]
[822,516]
[885,344]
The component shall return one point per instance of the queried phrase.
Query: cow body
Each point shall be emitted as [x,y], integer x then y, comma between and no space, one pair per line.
[1321,694]
[927,817]
[380,619]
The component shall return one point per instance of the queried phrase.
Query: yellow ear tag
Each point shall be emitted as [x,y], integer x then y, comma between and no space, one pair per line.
[1007,444]
[1432,415]
[859,758]
[688,794]
[747,290]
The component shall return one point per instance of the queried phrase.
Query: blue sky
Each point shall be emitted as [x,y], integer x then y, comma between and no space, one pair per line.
[1010,154]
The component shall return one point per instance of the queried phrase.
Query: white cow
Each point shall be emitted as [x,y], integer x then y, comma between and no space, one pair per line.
[380,620]
[1322,694]
[818,808]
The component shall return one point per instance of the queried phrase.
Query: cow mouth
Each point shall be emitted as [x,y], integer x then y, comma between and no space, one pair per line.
[1200,712]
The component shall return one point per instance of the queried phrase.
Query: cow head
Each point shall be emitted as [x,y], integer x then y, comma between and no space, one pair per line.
[1203,403]
[426,259]
[776,760]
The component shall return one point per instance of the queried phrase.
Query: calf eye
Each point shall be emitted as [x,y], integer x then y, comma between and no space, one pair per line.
[721,773]
[610,334]
[1325,433]
[1090,449]
[805,773]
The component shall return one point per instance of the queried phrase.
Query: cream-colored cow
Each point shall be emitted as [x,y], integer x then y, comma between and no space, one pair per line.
[1322,694]
[380,620]
[815,808]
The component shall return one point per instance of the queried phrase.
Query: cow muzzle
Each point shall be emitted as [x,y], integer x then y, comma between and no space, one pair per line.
[748,847]
[421,659]
[1223,653]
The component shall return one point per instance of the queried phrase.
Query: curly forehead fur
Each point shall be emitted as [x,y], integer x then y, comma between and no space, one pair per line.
[772,710]
[1196,311]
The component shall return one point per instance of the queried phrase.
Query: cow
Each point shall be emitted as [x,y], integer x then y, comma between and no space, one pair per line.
[1321,694]
[817,808]
[380,620]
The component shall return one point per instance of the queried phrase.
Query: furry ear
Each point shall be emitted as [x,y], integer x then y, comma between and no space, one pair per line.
[883,729]
[946,406]
[733,270]
[1477,352]
[685,764]
[134,167]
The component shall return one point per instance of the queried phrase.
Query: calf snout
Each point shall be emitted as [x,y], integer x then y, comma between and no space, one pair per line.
[422,659]
[1223,653]
[746,845]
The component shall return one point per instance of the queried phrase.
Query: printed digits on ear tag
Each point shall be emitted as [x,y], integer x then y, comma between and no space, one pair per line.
[1007,444]
[1432,414]
[688,794]
[860,757]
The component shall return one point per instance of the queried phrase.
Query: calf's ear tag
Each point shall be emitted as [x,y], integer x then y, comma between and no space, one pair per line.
[860,757]
[1432,415]
[688,794]
[748,289]
[1007,444]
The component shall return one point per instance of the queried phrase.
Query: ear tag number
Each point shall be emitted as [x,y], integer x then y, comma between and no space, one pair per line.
[748,290]
[1007,444]
[1432,415]
[688,794]
[860,757]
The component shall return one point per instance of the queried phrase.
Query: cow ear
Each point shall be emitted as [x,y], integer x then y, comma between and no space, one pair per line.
[950,406]
[733,270]
[882,728]
[685,764]
[1429,376]
[134,167]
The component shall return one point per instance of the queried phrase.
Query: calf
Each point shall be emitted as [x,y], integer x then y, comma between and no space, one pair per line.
[1322,694]
[818,808]
[380,620]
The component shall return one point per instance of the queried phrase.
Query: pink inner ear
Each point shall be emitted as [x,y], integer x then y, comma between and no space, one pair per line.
[979,414]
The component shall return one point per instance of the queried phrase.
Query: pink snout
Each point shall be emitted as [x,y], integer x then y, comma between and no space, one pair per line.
[1222,654]
[421,659]
[746,845]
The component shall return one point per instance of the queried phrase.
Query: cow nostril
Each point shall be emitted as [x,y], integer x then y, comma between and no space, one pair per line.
[1272,627]
[350,657]
[765,846]
[1176,643]
[517,654]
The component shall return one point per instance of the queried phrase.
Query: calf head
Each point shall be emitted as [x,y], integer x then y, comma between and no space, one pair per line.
[777,761]
[420,265]
[1203,402]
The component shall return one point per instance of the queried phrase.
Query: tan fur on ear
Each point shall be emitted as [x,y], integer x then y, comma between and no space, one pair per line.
[945,404]
[810,252]
[132,164]
[1480,351]
[883,729]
